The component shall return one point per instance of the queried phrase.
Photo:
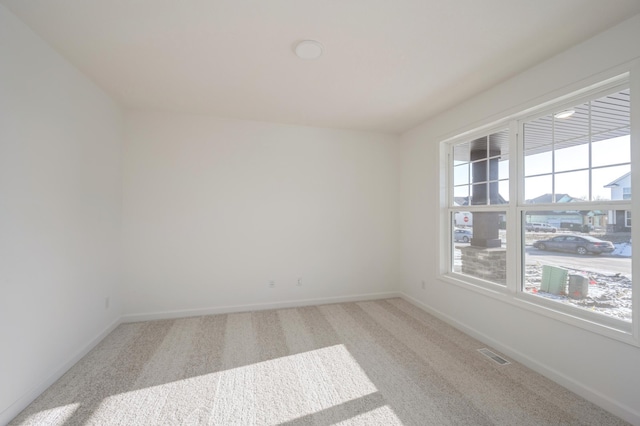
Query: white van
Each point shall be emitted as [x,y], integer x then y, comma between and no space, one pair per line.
[540,227]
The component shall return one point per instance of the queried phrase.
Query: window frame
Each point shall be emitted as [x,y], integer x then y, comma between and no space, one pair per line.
[496,208]
[515,208]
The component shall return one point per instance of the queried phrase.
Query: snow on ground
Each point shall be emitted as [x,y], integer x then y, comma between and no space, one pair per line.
[622,249]
[608,293]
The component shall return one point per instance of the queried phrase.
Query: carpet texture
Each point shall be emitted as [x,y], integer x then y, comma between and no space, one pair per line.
[382,362]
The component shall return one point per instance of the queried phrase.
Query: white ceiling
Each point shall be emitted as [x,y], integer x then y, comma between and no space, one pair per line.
[388,65]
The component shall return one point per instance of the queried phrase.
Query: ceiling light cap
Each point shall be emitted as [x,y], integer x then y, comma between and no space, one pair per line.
[309,49]
[565,114]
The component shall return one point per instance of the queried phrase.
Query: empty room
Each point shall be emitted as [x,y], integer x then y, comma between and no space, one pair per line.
[295,212]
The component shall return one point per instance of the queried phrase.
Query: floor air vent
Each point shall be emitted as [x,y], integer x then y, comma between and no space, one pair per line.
[495,357]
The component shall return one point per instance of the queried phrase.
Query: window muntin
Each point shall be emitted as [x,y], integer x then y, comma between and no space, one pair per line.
[480,170]
[580,154]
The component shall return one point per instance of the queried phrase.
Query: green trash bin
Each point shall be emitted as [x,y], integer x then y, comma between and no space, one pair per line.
[554,280]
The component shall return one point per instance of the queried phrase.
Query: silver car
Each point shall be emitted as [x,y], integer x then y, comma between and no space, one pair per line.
[462,235]
[581,244]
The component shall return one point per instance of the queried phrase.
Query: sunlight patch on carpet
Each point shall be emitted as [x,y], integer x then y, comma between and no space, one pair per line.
[53,416]
[273,391]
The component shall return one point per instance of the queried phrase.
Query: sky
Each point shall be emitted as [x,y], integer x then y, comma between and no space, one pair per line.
[572,170]
[569,179]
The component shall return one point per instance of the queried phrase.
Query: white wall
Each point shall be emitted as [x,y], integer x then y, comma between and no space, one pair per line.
[604,370]
[214,209]
[60,201]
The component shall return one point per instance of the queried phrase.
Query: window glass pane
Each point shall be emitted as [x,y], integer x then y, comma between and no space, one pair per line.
[538,163]
[611,151]
[461,174]
[479,194]
[571,127]
[461,153]
[585,263]
[503,168]
[572,186]
[538,139]
[461,195]
[495,196]
[478,148]
[480,171]
[499,143]
[572,157]
[537,189]
[612,183]
[610,117]
[479,245]
[498,169]
[503,190]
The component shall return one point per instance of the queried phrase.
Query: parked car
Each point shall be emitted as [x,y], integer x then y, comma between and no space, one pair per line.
[540,227]
[462,235]
[581,244]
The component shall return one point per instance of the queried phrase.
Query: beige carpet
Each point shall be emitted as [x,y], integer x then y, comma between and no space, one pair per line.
[370,363]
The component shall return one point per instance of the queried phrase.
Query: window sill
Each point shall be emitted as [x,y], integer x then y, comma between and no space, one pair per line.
[595,323]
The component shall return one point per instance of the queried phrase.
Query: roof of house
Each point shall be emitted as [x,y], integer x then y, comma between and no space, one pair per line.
[616,182]
[548,198]
[466,201]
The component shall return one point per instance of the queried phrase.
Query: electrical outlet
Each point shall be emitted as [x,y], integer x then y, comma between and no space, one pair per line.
[106,303]
[299,282]
[272,284]
[424,285]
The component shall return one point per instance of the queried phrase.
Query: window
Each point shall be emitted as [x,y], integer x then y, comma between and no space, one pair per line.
[562,206]
[480,171]
[573,165]
[574,157]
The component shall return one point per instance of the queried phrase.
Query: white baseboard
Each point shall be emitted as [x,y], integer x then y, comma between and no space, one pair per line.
[21,403]
[627,413]
[255,307]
